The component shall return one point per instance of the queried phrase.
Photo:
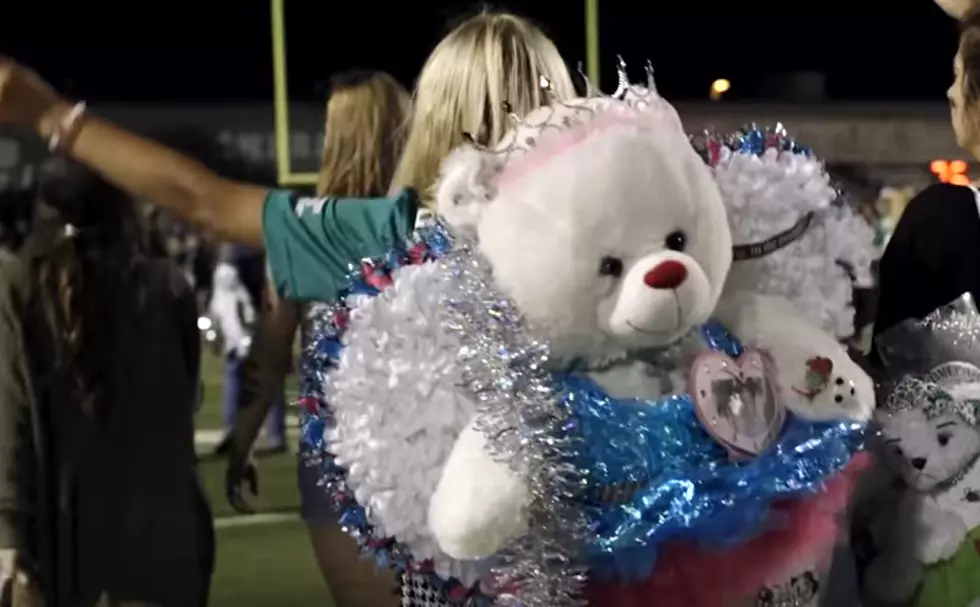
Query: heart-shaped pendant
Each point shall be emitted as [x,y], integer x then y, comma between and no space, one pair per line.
[736,402]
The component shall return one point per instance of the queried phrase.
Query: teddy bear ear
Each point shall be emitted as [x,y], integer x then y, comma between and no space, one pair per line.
[465,185]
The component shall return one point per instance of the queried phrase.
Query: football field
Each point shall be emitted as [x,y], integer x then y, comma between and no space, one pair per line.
[263,560]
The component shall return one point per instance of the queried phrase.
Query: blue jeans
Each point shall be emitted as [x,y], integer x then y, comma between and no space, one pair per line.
[275,423]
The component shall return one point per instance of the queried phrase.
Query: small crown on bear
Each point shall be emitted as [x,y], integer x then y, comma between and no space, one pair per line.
[561,114]
[925,394]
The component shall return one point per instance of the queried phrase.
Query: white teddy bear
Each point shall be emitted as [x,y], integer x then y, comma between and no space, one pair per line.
[578,237]
[606,230]
[933,444]
[612,241]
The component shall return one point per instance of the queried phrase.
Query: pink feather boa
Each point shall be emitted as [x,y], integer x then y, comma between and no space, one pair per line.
[804,540]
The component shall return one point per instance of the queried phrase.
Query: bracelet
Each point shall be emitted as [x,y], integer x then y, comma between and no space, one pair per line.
[66,127]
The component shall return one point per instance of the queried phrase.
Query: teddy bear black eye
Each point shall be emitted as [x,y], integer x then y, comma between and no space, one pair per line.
[611,266]
[943,439]
[676,241]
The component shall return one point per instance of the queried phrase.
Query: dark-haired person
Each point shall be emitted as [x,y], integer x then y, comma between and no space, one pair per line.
[99,357]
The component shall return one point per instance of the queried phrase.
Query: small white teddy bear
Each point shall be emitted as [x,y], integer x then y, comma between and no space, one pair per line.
[934,449]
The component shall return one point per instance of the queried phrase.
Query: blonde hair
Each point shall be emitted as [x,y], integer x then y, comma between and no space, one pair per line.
[490,60]
[364,134]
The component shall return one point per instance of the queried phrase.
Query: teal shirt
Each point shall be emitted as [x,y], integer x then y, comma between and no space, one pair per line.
[311,243]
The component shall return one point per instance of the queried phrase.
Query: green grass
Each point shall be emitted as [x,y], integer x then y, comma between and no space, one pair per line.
[262,565]
[267,566]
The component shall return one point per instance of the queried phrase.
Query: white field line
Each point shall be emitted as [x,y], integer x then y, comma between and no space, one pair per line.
[246,520]
[210,438]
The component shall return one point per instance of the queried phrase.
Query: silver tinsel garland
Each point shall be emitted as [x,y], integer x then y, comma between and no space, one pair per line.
[527,425]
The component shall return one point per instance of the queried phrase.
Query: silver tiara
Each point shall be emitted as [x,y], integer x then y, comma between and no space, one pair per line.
[932,393]
[561,114]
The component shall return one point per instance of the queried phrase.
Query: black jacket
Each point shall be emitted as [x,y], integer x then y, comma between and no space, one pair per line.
[108,503]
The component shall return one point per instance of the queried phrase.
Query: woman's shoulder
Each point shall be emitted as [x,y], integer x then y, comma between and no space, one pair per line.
[939,193]
[942,206]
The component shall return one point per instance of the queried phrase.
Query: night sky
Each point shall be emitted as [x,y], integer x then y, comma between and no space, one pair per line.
[178,50]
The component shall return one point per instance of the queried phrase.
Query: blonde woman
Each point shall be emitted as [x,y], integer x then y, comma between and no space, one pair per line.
[364,127]
[490,59]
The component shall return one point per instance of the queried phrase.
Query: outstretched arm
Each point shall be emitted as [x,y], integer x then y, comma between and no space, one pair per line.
[146,170]
[311,243]
[149,171]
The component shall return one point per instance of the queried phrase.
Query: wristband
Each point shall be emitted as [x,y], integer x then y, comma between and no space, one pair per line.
[66,127]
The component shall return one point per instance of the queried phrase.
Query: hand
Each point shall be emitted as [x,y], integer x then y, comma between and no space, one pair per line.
[243,347]
[956,8]
[19,590]
[944,535]
[241,475]
[26,100]
[24,592]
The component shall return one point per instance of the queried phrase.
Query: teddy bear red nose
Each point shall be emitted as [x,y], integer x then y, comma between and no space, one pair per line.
[666,275]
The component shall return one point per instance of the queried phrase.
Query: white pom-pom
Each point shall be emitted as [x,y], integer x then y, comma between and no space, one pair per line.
[464,188]
[398,410]
[766,195]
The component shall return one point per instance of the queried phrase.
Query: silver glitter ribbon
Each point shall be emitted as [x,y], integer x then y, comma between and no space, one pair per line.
[949,333]
[527,425]
[934,361]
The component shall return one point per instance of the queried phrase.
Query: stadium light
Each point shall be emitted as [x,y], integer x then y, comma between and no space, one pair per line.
[950,171]
[718,88]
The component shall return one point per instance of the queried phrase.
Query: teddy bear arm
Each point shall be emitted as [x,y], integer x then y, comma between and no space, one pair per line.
[772,324]
[479,502]
[938,533]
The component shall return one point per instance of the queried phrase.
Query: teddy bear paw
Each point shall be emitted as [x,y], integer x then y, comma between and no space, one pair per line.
[838,398]
[844,394]
[942,546]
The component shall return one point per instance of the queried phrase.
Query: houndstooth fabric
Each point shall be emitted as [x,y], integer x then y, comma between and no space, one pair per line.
[416,591]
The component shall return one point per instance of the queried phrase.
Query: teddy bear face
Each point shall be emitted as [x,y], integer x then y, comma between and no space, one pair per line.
[616,240]
[927,451]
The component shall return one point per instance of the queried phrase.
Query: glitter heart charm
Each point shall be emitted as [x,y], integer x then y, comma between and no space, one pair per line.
[735,401]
